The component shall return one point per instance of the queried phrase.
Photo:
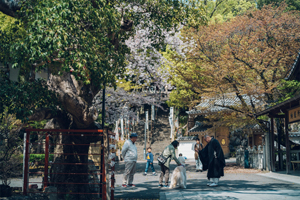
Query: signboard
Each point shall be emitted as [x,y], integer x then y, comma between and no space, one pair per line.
[294,115]
[171,121]
[152,112]
[122,129]
[223,142]
[117,130]
[147,127]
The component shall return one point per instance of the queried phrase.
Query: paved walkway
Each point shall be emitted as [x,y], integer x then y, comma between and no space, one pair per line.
[233,195]
[273,185]
[293,177]
[232,186]
[236,184]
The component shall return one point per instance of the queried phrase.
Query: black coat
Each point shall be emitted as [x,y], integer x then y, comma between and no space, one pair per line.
[215,165]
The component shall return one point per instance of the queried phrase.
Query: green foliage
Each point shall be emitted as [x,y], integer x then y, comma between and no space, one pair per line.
[288,89]
[183,120]
[99,120]
[5,21]
[292,4]
[187,94]
[10,32]
[120,144]
[10,143]
[39,158]
[22,99]
[184,95]
[223,10]
[37,124]
[85,37]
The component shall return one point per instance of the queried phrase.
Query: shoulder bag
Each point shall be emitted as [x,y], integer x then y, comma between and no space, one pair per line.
[162,159]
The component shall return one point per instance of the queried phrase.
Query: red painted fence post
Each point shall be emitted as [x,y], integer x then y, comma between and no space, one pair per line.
[26,162]
[46,161]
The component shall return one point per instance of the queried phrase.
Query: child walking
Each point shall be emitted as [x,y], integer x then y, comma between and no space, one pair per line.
[149,157]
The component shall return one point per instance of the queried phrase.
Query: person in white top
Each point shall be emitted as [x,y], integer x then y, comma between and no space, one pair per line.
[181,159]
[129,153]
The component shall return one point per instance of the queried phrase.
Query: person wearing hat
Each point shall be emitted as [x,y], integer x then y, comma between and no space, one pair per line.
[129,153]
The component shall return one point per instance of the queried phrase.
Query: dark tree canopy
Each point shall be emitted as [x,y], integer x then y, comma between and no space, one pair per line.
[292,4]
[9,7]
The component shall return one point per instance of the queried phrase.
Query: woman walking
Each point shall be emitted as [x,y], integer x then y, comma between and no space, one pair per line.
[169,153]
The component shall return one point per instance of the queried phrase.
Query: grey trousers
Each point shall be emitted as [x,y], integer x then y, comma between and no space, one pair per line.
[130,169]
[165,172]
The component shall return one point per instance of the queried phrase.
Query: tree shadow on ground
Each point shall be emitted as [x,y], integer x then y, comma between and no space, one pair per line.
[140,167]
[150,190]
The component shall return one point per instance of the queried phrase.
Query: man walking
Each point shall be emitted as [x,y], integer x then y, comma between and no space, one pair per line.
[129,153]
[198,147]
[212,158]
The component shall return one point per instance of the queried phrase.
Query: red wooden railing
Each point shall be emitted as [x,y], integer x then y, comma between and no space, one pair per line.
[49,132]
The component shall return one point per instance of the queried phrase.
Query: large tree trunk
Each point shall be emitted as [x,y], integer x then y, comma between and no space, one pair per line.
[78,113]
[78,163]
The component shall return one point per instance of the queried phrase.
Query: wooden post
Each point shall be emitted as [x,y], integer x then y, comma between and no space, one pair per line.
[102,175]
[287,143]
[252,137]
[278,143]
[46,161]
[107,165]
[26,163]
[267,148]
[272,152]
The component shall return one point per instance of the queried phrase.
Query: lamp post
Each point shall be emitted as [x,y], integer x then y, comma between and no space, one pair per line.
[146,127]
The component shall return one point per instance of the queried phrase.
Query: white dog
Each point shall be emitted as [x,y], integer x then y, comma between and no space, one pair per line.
[179,175]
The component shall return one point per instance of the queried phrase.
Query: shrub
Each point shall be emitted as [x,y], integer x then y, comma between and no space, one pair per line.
[10,147]
[39,158]
[120,144]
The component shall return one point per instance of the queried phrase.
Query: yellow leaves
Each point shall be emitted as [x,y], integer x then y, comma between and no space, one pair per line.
[127,85]
[247,55]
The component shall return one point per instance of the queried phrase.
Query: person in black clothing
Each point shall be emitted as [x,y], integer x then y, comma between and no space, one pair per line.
[212,158]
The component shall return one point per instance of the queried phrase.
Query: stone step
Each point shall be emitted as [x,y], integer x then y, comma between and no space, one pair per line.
[160,137]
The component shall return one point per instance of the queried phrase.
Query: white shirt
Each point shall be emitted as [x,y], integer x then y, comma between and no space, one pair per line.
[181,160]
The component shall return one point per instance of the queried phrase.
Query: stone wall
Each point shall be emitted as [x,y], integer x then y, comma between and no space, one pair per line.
[256,157]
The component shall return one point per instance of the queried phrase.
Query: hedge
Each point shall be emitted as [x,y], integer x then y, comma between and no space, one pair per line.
[39,157]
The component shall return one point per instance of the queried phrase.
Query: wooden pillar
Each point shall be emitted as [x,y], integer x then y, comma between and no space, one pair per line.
[267,149]
[191,122]
[215,133]
[287,143]
[278,144]
[252,137]
[272,147]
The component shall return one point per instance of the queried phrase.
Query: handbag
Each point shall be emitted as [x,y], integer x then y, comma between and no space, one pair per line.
[162,159]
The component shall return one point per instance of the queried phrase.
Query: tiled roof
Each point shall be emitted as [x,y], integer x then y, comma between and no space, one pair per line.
[187,138]
[217,104]
[199,127]
[295,65]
